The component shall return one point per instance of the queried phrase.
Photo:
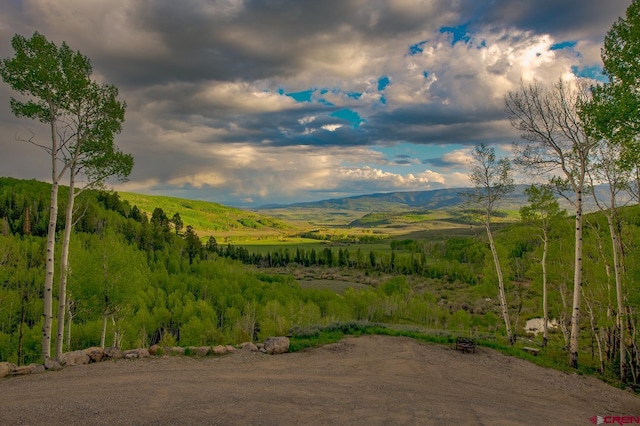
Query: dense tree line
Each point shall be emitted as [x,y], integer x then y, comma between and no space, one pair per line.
[452,260]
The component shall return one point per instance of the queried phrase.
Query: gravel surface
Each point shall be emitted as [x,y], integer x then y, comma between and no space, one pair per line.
[371,380]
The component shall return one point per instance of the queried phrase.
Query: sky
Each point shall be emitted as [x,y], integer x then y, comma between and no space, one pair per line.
[248,103]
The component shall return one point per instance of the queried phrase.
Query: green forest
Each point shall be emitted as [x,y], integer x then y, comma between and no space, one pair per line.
[137,279]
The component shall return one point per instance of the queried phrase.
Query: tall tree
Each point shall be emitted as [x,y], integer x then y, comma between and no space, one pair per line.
[613,114]
[555,142]
[542,211]
[46,76]
[607,170]
[492,181]
[94,117]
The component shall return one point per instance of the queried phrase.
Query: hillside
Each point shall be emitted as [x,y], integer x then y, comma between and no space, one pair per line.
[208,217]
[444,206]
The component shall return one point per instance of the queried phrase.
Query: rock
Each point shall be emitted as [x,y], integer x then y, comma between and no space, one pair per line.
[39,368]
[230,348]
[52,365]
[74,358]
[276,345]
[95,353]
[131,354]
[176,350]
[249,347]
[143,353]
[155,350]
[113,353]
[199,350]
[219,350]
[6,368]
[23,370]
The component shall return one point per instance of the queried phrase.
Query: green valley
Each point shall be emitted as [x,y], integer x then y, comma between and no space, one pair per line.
[226,275]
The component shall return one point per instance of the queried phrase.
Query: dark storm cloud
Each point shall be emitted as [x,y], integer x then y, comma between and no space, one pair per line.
[432,124]
[258,39]
[566,18]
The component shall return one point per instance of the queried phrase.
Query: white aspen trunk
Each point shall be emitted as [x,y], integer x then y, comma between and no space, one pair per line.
[117,338]
[577,284]
[64,264]
[620,314]
[503,298]
[592,321]
[563,316]
[103,335]
[50,254]
[69,321]
[545,307]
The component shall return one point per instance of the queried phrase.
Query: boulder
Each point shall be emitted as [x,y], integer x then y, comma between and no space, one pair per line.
[74,358]
[199,350]
[6,369]
[143,353]
[95,353]
[113,353]
[219,350]
[276,345]
[249,347]
[155,350]
[52,364]
[176,350]
[23,370]
[230,348]
[131,354]
[39,368]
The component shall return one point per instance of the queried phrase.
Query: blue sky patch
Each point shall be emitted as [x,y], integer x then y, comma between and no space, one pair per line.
[416,48]
[383,82]
[425,74]
[348,115]
[304,96]
[589,72]
[354,95]
[563,45]
[323,101]
[459,33]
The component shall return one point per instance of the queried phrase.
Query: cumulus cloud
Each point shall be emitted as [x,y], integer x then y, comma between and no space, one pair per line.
[237,100]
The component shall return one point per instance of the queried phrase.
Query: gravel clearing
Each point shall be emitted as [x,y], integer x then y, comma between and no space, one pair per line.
[370,380]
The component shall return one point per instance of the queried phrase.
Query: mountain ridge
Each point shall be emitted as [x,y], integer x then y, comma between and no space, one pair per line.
[434,199]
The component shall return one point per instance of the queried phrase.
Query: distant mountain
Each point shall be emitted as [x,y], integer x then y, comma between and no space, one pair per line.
[433,200]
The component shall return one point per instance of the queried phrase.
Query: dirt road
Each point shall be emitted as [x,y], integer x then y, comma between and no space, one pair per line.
[372,380]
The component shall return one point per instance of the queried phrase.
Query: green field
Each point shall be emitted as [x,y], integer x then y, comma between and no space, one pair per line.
[211,218]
